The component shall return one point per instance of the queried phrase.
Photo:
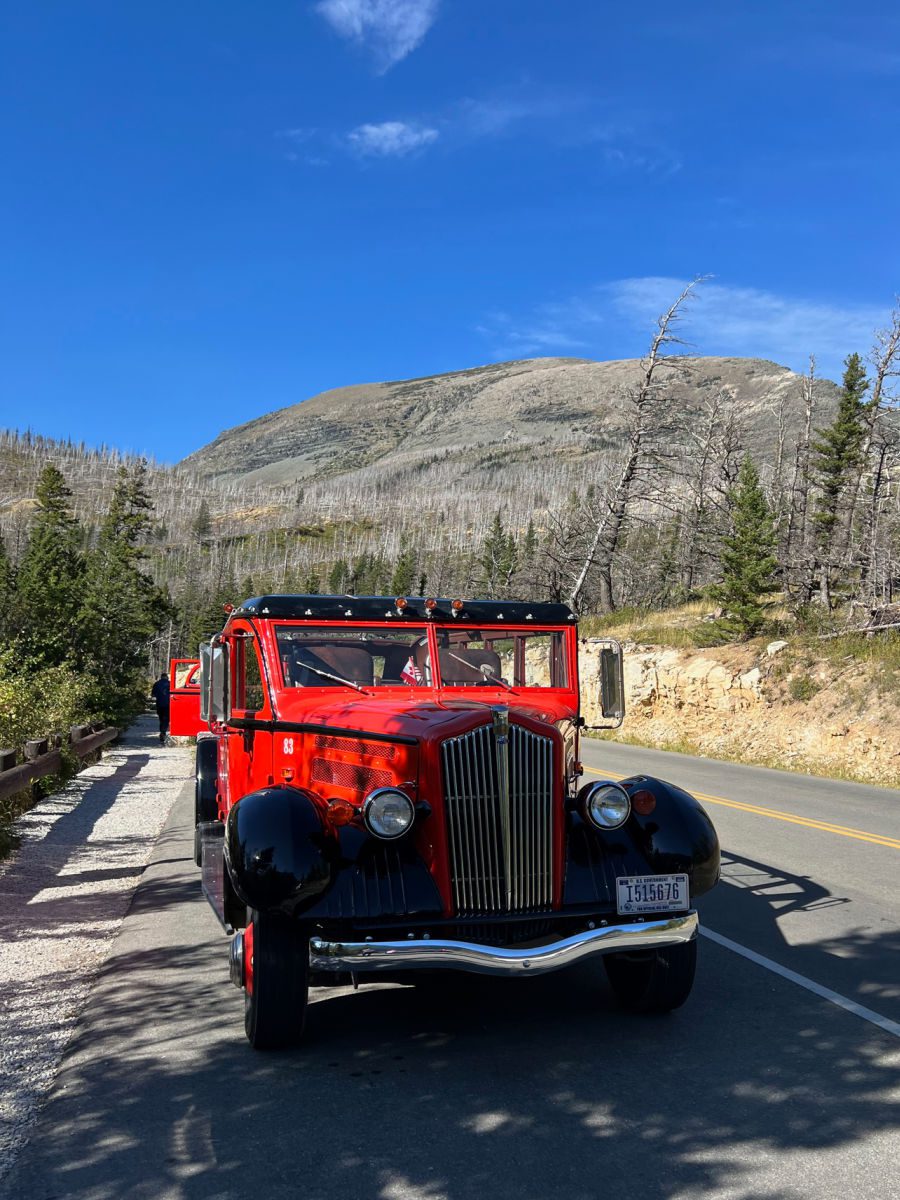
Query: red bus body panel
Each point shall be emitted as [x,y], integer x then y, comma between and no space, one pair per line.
[184,701]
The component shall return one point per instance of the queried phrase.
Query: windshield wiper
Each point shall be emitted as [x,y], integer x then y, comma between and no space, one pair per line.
[336,678]
[484,669]
[488,674]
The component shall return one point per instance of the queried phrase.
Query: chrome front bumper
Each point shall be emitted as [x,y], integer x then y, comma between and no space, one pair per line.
[421,953]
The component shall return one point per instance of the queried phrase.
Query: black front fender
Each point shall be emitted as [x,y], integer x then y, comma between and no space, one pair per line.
[676,836]
[279,853]
[678,831]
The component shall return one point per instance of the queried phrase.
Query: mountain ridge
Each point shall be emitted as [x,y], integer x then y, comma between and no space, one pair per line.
[545,403]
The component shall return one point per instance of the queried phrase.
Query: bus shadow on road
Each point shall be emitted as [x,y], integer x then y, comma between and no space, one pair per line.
[773,913]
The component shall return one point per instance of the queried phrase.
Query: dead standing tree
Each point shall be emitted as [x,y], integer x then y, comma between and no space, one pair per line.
[715,449]
[645,404]
[795,556]
[885,361]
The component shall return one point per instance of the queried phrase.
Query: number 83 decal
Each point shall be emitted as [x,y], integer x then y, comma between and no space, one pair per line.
[289,745]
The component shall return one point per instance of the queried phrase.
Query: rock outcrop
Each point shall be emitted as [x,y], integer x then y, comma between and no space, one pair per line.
[766,704]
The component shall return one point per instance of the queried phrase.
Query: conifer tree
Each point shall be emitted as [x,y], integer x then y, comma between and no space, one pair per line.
[337,578]
[837,455]
[530,545]
[122,607]
[499,556]
[50,576]
[748,559]
[403,579]
[202,526]
[7,592]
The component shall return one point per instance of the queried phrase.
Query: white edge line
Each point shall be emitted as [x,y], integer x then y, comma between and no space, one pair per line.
[858,1010]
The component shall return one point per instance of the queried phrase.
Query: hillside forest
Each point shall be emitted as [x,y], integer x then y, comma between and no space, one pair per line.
[111,564]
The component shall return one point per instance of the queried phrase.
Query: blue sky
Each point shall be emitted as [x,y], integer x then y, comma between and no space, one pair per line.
[216,208]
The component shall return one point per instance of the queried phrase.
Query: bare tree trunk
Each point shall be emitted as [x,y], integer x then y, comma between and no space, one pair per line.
[885,359]
[605,540]
[795,553]
[868,580]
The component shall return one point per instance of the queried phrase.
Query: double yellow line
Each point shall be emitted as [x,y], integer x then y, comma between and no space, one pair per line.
[843,830]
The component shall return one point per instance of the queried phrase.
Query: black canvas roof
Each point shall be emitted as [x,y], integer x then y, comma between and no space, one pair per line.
[380,608]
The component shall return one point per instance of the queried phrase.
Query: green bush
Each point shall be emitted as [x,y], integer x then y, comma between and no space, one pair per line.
[803,688]
[34,702]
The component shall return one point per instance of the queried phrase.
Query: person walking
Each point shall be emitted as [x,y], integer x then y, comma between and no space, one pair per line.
[161,694]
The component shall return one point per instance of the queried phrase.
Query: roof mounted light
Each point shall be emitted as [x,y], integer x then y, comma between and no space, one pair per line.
[430,604]
[401,603]
[456,607]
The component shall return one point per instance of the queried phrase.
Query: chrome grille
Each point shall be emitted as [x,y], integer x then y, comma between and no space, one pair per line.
[498,791]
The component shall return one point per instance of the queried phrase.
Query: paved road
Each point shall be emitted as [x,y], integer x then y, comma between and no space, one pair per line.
[811,868]
[757,1089]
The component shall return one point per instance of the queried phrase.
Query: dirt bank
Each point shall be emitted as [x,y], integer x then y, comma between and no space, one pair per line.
[779,704]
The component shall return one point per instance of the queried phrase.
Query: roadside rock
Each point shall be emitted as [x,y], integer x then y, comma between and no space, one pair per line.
[751,703]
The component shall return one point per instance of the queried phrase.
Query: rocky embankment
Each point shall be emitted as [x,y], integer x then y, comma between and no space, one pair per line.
[773,704]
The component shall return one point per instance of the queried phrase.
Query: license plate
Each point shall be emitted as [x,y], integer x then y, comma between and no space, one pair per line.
[652,893]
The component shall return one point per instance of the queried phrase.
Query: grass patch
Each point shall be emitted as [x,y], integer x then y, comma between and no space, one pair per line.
[803,688]
[681,636]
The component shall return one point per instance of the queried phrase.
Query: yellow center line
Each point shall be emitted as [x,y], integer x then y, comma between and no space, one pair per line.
[843,830]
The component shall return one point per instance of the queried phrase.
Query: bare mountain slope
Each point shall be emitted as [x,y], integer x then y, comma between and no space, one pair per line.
[547,405]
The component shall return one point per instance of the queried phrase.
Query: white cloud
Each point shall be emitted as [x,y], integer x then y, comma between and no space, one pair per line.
[390,139]
[723,319]
[614,320]
[493,116]
[391,29]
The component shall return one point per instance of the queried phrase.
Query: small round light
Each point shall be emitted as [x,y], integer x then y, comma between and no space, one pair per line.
[340,812]
[606,805]
[643,802]
[400,603]
[457,606]
[388,813]
[430,605]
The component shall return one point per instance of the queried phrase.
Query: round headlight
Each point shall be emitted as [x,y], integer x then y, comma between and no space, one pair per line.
[606,805]
[388,813]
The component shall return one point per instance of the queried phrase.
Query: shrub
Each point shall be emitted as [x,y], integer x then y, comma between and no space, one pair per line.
[803,688]
[34,702]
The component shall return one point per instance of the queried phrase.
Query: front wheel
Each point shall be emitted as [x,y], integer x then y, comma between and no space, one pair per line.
[653,980]
[276,981]
[206,805]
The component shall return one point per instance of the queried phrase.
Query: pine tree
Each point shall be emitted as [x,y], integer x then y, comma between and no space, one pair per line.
[837,454]
[49,580]
[122,608]
[7,592]
[403,578]
[530,545]
[499,556]
[748,559]
[202,526]
[337,578]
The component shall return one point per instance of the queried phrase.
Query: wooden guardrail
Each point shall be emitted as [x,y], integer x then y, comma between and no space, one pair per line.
[44,756]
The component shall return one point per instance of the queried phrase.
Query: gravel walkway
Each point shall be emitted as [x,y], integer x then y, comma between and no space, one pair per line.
[62,899]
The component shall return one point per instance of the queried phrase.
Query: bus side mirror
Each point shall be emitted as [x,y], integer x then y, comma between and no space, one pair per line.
[609,700]
[213,681]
